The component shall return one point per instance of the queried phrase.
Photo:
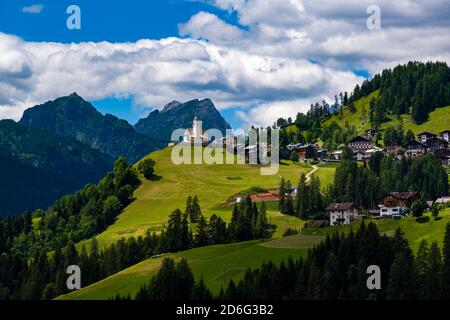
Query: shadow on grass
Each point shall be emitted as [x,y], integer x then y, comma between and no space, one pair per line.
[154,177]
[422,219]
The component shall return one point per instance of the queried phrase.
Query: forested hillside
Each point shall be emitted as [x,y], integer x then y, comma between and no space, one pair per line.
[74,117]
[37,167]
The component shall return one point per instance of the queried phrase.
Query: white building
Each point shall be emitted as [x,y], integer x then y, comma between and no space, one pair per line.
[342,213]
[397,204]
[443,200]
[196,134]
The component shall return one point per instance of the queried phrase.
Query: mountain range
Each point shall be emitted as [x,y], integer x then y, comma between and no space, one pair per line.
[74,117]
[175,115]
[61,145]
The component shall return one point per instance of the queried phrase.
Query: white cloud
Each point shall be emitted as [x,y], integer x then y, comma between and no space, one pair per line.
[155,72]
[283,56]
[36,8]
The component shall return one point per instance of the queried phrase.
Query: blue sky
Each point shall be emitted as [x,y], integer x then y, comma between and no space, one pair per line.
[256,59]
[106,20]
[102,20]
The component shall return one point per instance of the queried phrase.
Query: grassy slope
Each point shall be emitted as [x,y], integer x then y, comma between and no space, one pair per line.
[438,121]
[355,118]
[415,232]
[155,200]
[216,264]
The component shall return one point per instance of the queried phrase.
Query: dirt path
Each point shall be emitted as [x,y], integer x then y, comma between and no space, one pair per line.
[309,175]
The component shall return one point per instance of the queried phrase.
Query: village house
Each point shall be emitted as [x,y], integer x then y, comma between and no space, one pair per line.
[443,200]
[392,149]
[342,213]
[435,144]
[360,144]
[415,148]
[443,155]
[307,151]
[425,136]
[397,204]
[336,155]
[322,154]
[445,135]
[195,134]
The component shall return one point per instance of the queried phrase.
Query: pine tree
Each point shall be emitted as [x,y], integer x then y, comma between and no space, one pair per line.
[446,266]
[302,198]
[201,238]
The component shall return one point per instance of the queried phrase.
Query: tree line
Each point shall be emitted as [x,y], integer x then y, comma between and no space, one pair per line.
[39,275]
[306,203]
[364,184]
[415,88]
[334,269]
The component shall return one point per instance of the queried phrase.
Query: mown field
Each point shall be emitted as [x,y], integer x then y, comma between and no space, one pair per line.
[430,229]
[215,264]
[213,184]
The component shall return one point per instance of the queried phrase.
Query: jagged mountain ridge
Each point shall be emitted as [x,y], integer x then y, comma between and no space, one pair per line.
[175,115]
[74,117]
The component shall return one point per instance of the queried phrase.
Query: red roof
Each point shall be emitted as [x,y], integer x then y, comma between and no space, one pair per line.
[264,196]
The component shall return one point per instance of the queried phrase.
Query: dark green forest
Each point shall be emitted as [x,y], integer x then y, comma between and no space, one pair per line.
[334,269]
[415,88]
[27,271]
[38,167]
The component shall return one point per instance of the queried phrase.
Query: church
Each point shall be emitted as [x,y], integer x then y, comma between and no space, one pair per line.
[196,134]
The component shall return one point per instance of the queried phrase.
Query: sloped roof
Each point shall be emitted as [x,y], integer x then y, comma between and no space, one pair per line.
[412,142]
[436,139]
[340,206]
[360,138]
[401,195]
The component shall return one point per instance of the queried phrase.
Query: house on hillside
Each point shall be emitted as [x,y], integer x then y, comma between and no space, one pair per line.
[443,200]
[196,134]
[415,148]
[397,204]
[435,144]
[342,213]
[307,151]
[322,154]
[425,136]
[360,144]
[392,149]
[336,155]
[445,135]
[443,155]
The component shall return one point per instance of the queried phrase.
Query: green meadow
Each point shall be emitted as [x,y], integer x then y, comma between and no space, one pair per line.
[213,184]
[415,231]
[215,264]
[438,121]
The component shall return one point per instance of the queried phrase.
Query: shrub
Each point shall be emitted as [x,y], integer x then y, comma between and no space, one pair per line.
[147,168]
[418,207]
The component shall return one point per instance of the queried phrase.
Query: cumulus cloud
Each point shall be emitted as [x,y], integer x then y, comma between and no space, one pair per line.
[154,72]
[36,8]
[280,57]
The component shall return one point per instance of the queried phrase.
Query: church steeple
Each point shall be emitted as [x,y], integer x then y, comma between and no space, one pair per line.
[197,127]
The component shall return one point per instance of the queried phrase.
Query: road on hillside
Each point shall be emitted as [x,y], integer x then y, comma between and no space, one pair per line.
[309,175]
